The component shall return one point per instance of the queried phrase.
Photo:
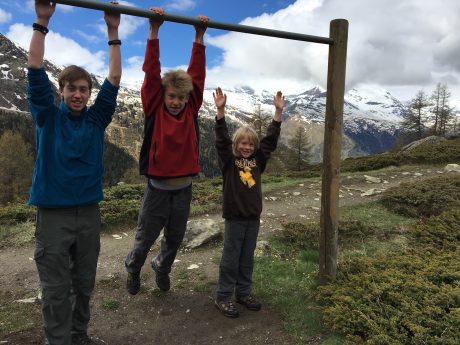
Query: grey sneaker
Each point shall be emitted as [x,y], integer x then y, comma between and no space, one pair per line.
[133,283]
[249,302]
[161,278]
[84,339]
[227,308]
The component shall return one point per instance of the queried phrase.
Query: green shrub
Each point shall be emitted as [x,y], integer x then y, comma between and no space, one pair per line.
[408,298]
[442,152]
[124,191]
[17,213]
[369,163]
[439,232]
[121,203]
[300,236]
[424,198]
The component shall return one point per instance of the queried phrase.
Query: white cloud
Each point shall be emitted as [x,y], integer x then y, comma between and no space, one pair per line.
[406,44]
[128,24]
[132,71]
[72,54]
[5,17]
[180,5]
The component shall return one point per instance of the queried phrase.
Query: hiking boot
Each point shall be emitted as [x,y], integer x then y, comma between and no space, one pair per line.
[161,278]
[227,308]
[84,339]
[249,302]
[133,283]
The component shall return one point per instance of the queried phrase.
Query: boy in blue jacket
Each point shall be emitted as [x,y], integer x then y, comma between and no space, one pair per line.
[67,181]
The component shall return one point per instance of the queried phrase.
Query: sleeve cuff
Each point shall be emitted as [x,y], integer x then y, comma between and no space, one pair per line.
[276,123]
[108,85]
[36,74]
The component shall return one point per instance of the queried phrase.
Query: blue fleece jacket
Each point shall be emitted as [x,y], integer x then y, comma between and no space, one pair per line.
[69,163]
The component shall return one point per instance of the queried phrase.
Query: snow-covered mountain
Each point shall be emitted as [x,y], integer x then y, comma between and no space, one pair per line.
[371,118]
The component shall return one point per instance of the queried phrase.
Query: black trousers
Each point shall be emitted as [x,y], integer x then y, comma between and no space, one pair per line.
[160,209]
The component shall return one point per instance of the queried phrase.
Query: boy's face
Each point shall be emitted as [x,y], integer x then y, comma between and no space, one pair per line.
[76,95]
[245,147]
[174,101]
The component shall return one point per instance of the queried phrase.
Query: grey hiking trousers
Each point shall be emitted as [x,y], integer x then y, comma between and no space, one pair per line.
[67,244]
[168,209]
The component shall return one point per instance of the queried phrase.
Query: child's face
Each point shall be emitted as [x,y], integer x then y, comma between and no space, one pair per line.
[174,101]
[245,147]
[76,95]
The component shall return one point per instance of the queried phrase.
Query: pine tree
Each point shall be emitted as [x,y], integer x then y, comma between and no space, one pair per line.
[16,167]
[441,110]
[416,120]
[301,149]
[259,121]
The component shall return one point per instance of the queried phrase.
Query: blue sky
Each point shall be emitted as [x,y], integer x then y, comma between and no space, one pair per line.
[401,46]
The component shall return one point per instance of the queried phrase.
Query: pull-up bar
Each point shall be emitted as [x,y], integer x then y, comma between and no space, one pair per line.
[134,11]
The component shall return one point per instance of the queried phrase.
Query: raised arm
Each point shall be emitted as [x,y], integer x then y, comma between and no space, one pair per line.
[200,29]
[151,91]
[44,10]
[278,100]
[154,24]
[113,21]
[197,66]
[220,100]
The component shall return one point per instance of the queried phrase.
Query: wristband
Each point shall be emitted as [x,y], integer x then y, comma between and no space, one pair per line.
[37,27]
[114,42]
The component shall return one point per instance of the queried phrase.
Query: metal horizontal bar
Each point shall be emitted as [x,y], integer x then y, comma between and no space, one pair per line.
[134,11]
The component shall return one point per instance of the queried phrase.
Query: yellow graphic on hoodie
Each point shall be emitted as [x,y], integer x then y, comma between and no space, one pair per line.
[246,177]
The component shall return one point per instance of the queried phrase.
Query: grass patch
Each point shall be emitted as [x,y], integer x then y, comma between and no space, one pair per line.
[271,182]
[398,277]
[110,304]
[205,286]
[427,197]
[287,284]
[15,316]
[16,235]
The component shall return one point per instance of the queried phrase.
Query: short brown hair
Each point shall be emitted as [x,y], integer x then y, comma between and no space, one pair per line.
[178,79]
[73,73]
[244,132]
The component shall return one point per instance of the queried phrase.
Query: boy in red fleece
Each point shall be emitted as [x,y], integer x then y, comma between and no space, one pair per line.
[169,155]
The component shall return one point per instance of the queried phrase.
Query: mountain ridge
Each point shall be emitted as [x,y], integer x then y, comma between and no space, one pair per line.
[371,119]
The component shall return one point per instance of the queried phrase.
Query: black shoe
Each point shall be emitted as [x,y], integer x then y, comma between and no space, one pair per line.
[227,308]
[249,302]
[133,283]
[84,339]
[161,278]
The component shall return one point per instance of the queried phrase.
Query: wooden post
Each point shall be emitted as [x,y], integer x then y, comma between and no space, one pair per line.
[332,150]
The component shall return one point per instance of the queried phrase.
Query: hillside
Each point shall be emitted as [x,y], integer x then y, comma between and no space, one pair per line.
[122,319]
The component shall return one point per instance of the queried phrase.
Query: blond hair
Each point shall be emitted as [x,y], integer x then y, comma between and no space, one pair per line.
[178,79]
[73,73]
[243,133]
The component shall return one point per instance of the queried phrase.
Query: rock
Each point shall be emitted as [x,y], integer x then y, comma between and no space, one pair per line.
[371,179]
[452,167]
[201,231]
[371,192]
[263,248]
[428,140]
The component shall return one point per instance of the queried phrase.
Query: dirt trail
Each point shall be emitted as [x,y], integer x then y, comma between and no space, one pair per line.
[186,314]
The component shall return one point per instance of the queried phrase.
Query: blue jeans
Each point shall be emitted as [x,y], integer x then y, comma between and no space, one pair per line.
[237,262]
[160,209]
